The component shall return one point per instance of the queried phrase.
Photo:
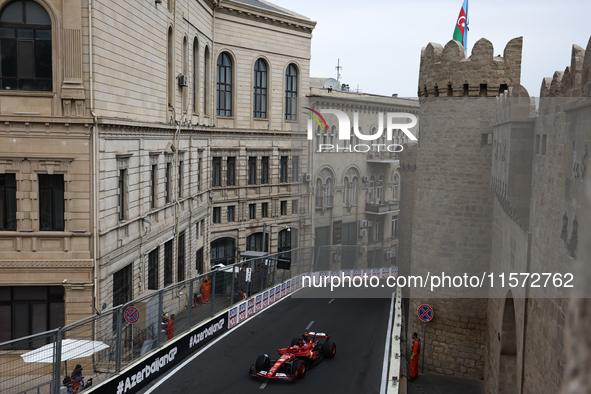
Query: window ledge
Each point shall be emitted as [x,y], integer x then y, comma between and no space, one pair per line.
[26,93]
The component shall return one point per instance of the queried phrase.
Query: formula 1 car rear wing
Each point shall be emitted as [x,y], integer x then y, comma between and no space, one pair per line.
[310,335]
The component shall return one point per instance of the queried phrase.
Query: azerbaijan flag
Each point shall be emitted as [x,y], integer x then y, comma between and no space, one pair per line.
[461,30]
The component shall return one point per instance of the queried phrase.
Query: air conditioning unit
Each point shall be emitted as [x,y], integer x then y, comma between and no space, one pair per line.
[307,177]
[365,179]
[388,255]
[362,223]
[183,80]
[363,232]
[362,249]
[369,223]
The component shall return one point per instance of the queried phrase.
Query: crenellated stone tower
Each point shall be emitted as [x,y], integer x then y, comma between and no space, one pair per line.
[453,201]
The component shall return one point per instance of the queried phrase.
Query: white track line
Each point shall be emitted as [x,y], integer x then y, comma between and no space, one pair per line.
[387,348]
[263,385]
[331,301]
[309,325]
[165,378]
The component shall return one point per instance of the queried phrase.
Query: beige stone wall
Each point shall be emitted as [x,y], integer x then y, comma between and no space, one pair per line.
[131,85]
[453,205]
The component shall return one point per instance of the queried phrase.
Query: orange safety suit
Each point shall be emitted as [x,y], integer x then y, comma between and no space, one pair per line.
[205,289]
[414,358]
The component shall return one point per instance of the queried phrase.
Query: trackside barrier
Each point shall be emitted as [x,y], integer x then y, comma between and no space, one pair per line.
[150,367]
[117,344]
[395,371]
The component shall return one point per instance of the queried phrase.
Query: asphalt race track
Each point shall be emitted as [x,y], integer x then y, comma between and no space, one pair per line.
[357,327]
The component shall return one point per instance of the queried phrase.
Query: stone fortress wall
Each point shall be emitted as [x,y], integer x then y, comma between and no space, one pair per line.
[498,186]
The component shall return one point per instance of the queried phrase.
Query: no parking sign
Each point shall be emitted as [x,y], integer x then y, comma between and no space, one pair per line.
[425,313]
[131,315]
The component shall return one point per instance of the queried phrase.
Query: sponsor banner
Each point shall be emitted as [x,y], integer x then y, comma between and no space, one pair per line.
[232,317]
[258,303]
[288,288]
[271,295]
[347,274]
[367,272]
[335,273]
[357,273]
[266,299]
[283,289]
[324,273]
[158,364]
[385,272]
[278,293]
[375,272]
[394,271]
[250,307]
[241,312]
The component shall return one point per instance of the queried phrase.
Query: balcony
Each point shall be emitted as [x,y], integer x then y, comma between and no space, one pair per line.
[383,157]
[382,207]
[324,202]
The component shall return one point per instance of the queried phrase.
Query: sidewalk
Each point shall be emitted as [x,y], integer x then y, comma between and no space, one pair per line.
[433,383]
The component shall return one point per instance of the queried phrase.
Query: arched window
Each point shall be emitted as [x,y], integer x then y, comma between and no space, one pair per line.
[260,89]
[254,242]
[25,44]
[372,183]
[224,85]
[345,191]
[353,196]
[291,92]
[170,73]
[195,61]
[205,80]
[395,187]
[318,190]
[185,66]
[318,138]
[288,240]
[222,251]
[333,132]
[380,189]
[374,147]
[327,193]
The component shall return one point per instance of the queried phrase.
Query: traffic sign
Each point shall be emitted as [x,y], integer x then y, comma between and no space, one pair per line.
[248,274]
[131,315]
[425,313]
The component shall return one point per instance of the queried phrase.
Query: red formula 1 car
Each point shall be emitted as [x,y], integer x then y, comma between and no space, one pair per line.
[295,360]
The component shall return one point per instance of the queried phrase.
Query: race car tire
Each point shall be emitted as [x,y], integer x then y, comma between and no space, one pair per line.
[263,363]
[329,349]
[298,369]
[295,341]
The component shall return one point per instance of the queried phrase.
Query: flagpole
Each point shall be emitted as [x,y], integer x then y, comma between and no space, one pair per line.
[466,31]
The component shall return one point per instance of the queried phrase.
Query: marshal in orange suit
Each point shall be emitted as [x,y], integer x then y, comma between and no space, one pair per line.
[414,357]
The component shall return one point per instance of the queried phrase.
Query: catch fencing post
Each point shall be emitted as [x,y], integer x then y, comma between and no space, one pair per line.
[118,343]
[232,291]
[190,306]
[160,310]
[213,294]
[58,360]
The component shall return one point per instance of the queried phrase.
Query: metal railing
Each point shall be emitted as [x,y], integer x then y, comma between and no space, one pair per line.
[114,343]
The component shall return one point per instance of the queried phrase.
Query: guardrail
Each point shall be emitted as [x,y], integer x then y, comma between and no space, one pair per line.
[105,344]
[395,370]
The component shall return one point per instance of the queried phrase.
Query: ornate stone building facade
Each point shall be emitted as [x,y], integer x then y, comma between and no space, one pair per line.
[355,183]
[146,140]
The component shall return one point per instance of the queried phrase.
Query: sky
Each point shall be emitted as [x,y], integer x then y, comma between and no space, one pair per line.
[379,42]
